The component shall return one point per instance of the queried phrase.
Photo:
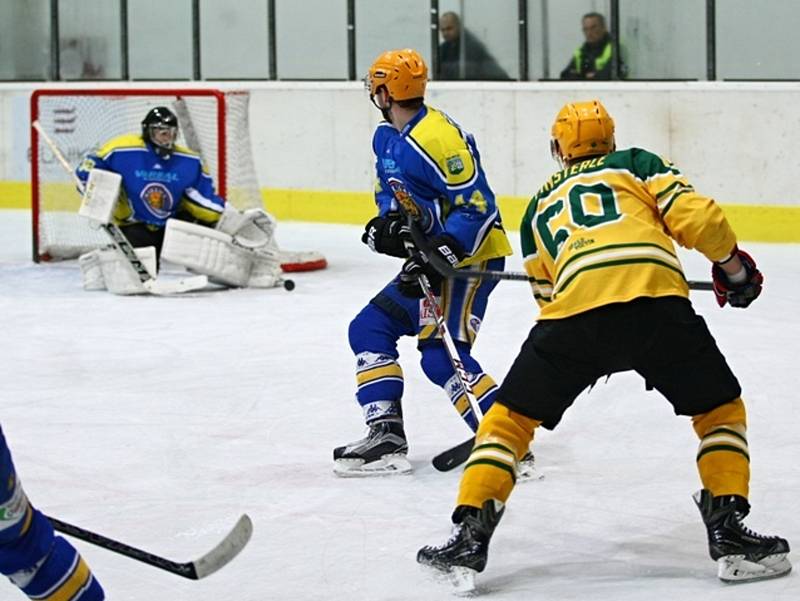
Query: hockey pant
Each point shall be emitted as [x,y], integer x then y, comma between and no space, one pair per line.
[45,566]
[373,337]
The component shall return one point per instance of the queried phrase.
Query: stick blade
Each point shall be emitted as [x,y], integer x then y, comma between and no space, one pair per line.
[453,457]
[226,550]
[161,287]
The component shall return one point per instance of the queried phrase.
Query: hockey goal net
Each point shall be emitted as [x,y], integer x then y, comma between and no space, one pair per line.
[212,122]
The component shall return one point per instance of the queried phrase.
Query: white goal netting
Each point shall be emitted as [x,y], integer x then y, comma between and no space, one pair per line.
[212,122]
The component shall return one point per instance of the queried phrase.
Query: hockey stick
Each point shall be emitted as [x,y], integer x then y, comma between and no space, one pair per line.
[447,270]
[218,557]
[445,461]
[121,243]
[455,456]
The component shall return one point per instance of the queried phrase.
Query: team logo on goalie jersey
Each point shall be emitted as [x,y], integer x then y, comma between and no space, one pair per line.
[157,199]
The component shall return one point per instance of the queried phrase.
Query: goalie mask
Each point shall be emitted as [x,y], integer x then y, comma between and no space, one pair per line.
[160,130]
[582,129]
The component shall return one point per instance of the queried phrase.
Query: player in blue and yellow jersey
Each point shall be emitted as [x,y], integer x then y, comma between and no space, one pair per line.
[160,180]
[428,167]
[598,246]
[44,566]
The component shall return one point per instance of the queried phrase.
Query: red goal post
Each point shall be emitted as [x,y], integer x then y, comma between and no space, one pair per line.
[212,122]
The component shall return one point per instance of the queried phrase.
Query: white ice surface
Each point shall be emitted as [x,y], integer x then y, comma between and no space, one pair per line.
[159,421]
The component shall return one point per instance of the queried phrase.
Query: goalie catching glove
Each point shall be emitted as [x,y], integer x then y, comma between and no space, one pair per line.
[738,293]
[447,248]
[254,229]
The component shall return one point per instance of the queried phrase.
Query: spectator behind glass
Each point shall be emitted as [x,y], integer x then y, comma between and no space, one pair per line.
[593,59]
[478,63]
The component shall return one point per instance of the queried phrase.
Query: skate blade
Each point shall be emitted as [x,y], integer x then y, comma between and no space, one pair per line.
[463,581]
[388,465]
[460,579]
[735,569]
[528,474]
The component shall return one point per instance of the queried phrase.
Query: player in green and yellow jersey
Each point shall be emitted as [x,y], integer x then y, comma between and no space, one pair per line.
[597,241]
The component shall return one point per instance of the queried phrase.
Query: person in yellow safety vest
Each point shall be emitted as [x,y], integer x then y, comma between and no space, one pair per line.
[592,60]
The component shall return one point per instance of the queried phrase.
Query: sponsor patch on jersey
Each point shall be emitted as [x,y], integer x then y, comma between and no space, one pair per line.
[157,199]
[455,165]
[426,315]
[389,165]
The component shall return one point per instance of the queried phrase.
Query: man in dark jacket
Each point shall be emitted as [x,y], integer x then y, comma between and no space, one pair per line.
[593,59]
[478,63]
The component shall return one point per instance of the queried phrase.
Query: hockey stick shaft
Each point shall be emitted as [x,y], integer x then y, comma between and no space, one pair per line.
[449,345]
[447,270]
[193,570]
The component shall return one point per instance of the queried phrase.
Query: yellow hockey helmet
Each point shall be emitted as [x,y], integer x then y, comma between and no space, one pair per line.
[403,72]
[582,129]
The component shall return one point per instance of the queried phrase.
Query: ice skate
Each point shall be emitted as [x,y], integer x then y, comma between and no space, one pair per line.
[526,468]
[741,554]
[464,554]
[382,452]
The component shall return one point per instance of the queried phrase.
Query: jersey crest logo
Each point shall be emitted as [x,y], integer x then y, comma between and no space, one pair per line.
[455,165]
[157,199]
[404,198]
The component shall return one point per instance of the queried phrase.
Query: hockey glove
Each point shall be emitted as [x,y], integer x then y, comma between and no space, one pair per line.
[740,294]
[408,280]
[387,235]
[447,248]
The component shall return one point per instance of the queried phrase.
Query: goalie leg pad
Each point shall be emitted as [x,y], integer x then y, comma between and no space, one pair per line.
[207,251]
[265,272]
[90,271]
[107,268]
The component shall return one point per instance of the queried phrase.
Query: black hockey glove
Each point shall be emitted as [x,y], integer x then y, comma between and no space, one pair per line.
[741,294]
[447,248]
[387,235]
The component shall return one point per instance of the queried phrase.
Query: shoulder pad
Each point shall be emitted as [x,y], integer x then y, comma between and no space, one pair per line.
[120,142]
[441,144]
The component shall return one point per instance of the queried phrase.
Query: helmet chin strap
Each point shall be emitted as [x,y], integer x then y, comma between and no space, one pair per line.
[555,151]
[383,109]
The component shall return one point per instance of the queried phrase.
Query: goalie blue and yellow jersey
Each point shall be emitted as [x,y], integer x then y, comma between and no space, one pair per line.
[432,171]
[602,230]
[154,188]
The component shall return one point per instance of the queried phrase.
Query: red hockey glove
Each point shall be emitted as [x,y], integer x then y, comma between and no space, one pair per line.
[741,294]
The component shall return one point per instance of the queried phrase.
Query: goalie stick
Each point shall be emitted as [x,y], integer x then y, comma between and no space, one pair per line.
[121,243]
[218,557]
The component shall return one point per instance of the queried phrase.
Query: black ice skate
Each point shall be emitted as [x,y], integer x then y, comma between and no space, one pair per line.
[741,554]
[465,552]
[381,452]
